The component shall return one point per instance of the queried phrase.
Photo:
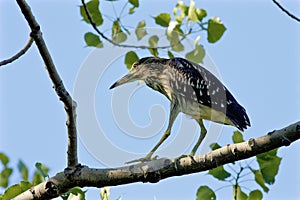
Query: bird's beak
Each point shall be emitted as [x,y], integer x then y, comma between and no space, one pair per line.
[125,79]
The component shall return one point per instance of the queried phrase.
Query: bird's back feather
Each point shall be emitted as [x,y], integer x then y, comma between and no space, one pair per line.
[210,91]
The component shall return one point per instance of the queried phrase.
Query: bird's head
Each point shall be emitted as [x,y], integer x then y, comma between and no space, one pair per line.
[140,70]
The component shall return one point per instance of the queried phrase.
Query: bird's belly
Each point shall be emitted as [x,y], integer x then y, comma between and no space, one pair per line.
[198,111]
[192,109]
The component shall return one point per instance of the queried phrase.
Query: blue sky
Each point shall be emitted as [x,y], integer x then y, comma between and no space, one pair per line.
[257,58]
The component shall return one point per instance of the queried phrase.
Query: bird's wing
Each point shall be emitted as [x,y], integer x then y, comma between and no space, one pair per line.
[210,91]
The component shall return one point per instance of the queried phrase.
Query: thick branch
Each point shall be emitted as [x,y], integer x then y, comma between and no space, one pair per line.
[19,54]
[157,170]
[69,104]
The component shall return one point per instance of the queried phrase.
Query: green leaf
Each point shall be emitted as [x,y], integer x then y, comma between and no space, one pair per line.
[76,193]
[78,196]
[4,176]
[92,40]
[135,3]
[23,170]
[141,24]
[130,58]
[205,193]
[201,14]
[76,190]
[121,37]
[104,193]
[40,173]
[215,29]
[118,35]
[153,51]
[4,159]
[214,146]
[93,9]
[174,40]
[163,19]
[219,173]
[11,192]
[255,195]
[131,10]
[177,46]
[197,54]
[174,26]
[192,15]
[140,32]
[152,42]
[43,170]
[238,193]
[37,178]
[269,164]
[16,189]
[170,54]
[116,28]
[237,137]
[180,11]
[260,180]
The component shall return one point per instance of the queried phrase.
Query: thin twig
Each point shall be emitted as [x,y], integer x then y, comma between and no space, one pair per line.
[19,54]
[246,174]
[122,10]
[220,188]
[286,11]
[62,93]
[247,180]
[124,45]
[232,169]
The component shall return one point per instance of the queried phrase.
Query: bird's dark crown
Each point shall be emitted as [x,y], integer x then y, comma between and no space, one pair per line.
[150,60]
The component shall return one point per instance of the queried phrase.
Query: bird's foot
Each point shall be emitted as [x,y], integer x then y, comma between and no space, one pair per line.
[143,160]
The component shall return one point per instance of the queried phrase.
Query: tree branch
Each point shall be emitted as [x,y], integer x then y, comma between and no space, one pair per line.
[157,170]
[286,11]
[62,93]
[19,54]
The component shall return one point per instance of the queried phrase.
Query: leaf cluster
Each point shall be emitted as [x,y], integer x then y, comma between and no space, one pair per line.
[185,20]
[237,174]
[39,175]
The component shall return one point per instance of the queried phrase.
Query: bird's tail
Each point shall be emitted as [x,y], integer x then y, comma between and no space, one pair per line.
[237,114]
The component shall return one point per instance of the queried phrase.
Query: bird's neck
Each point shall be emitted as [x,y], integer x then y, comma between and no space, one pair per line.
[159,84]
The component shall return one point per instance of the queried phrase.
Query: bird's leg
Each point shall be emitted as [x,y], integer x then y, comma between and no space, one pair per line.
[174,110]
[202,135]
[148,157]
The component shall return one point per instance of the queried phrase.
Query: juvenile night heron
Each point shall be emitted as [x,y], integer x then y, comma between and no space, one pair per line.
[192,90]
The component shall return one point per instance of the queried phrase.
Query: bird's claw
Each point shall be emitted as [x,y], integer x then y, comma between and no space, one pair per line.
[142,160]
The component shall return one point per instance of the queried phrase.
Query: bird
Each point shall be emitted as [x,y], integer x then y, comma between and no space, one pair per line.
[192,90]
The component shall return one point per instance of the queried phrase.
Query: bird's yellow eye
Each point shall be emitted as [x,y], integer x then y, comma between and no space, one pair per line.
[134,65]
